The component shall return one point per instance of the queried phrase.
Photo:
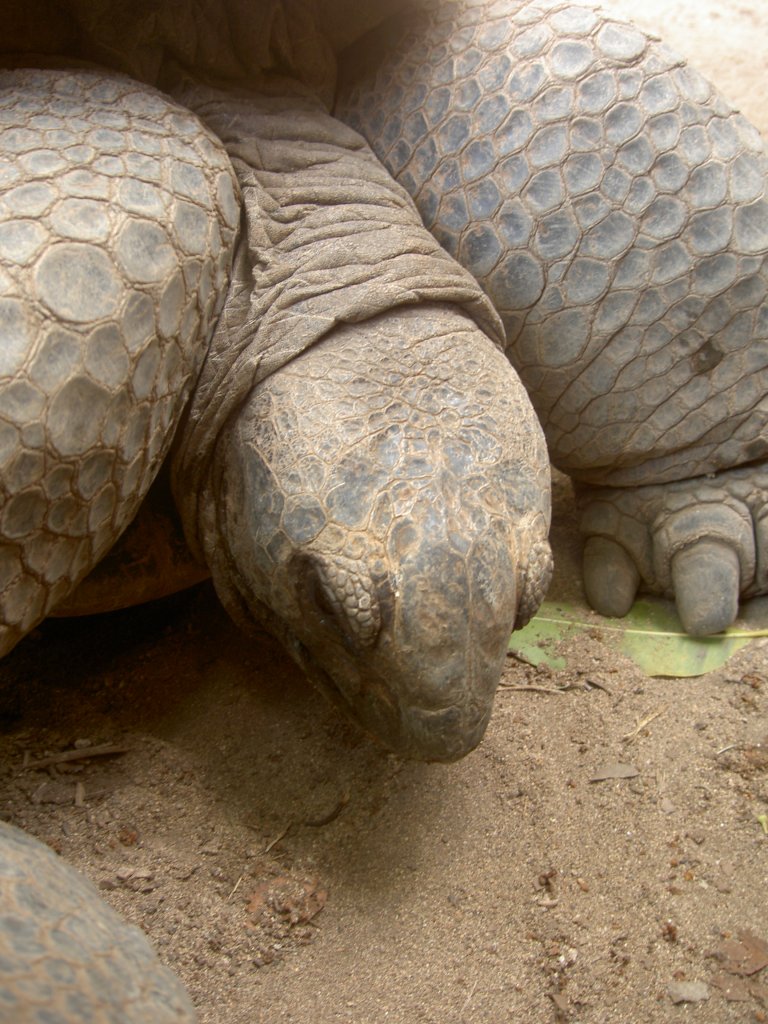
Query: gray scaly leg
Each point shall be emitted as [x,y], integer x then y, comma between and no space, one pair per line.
[613,207]
[117,220]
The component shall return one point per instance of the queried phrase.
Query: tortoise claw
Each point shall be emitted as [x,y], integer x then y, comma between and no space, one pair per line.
[701,541]
[611,577]
[705,579]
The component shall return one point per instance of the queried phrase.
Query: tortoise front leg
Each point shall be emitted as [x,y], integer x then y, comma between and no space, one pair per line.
[117,217]
[614,208]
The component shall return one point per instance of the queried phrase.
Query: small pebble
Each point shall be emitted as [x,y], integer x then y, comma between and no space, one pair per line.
[688,991]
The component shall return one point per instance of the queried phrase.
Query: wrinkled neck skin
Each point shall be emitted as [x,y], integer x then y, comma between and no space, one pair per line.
[379,508]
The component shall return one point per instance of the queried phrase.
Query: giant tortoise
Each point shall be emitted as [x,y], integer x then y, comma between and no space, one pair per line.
[338,375]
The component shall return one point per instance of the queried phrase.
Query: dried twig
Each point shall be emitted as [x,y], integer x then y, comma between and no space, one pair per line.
[533,689]
[628,737]
[517,656]
[277,839]
[81,754]
[468,1000]
[595,685]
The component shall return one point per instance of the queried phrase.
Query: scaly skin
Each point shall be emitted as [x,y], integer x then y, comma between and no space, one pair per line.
[335,564]
[614,208]
[118,216]
[65,956]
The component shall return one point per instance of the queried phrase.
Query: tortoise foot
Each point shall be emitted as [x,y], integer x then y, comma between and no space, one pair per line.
[703,541]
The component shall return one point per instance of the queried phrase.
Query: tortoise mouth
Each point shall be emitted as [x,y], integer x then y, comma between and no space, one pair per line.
[444,735]
[416,732]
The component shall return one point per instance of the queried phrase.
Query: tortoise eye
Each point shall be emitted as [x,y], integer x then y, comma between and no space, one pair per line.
[334,593]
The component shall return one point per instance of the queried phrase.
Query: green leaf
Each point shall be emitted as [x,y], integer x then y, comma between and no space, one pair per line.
[651,635]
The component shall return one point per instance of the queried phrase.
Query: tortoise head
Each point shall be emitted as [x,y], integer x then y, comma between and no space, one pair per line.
[382,506]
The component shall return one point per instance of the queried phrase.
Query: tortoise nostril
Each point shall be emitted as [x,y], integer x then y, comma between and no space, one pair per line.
[338,592]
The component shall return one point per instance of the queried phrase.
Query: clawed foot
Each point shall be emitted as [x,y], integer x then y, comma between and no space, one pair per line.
[702,541]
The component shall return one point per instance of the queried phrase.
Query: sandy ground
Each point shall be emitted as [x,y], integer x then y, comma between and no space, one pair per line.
[291,871]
